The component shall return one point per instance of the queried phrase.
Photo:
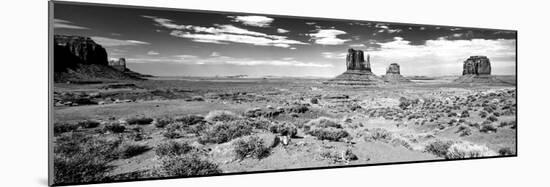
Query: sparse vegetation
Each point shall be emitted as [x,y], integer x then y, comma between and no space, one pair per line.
[59,128]
[250,147]
[487,128]
[172,148]
[139,120]
[224,131]
[187,165]
[329,134]
[88,124]
[439,147]
[468,150]
[129,150]
[285,129]
[114,128]
[221,116]
[324,122]
[505,151]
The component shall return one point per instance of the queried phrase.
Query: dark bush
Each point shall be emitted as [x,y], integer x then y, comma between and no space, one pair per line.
[297,109]
[59,128]
[314,100]
[88,124]
[465,114]
[439,147]
[224,132]
[172,131]
[114,128]
[131,150]
[139,120]
[162,122]
[285,129]
[492,118]
[190,119]
[329,134]
[482,114]
[252,146]
[187,165]
[464,130]
[486,128]
[173,148]
[505,151]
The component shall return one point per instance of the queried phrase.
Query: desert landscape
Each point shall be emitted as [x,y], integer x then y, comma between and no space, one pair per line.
[114,120]
[188,126]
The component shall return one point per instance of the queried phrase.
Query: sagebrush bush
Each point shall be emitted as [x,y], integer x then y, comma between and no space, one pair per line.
[222,132]
[187,165]
[128,150]
[505,151]
[486,128]
[114,128]
[285,129]
[88,124]
[250,147]
[439,147]
[173,131]
[173,148]
[324,122]
[59,128]
[378,134]
[139,120]
[162,122]
[468,150]
[331,134]
[190,119]
[221,116]
[464,130]
[297,109]
[492,118]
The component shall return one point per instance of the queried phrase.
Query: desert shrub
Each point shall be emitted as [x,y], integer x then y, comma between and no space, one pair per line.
[297,109]
[258,112]
[487,128]
[505,151]
[464,114]
[221,115]
[285,129]
[439,147]
[482,114]
[259,123]
[190,119]
[400,141]
[250,147]
[378,134]
[329,134]
[404,103]
[139,120]
[464,130]
[129,150]
[197,129]
[324,122]
[223,132]
[114,128]
[474,125]
[492,118]
[452,114]
[187,165]
[172,131]
[162,122]
[314,100]
[59,128]
[173,148]
[88,124]
[468,150]
[81,158]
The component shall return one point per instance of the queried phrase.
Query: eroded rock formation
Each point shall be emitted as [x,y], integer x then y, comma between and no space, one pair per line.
[358,71]
[477,65]
[119,64]
[393,74]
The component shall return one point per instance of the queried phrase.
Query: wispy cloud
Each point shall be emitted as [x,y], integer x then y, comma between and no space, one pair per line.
[386,28]
[279,30]
[152,53]
[257,21]
[328,37]
[222,34]
[64,24]
[111,42]
[333,55]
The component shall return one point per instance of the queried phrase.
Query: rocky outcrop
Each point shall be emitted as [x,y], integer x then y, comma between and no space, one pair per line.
[358,71]
[80,59]
[477,70]
[393,74]
[477,65]
[119,64]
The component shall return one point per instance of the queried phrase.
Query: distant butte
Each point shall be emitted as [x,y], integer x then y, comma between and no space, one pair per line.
[358,71]
[477,69]
[393,75]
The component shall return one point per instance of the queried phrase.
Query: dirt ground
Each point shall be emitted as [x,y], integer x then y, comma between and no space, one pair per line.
[384,124]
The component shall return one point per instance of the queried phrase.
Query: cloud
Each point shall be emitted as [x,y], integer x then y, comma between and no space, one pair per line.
[385,28]
[222,34]
[64,24]
[442,56]
[310,23]
[357,45]
[328,37]
[215,54]
[152,53]
[279,30]
[111,42]
[257,21]
[333,55]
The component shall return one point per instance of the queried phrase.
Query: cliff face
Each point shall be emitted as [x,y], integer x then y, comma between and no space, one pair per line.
[78,58]
[358,71]
[393,74]
[355,60]
[477,65]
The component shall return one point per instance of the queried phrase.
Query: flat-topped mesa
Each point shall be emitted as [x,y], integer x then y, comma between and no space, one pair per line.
[477,65]
[84,49]
[358,71]
[355,60]
[393,74]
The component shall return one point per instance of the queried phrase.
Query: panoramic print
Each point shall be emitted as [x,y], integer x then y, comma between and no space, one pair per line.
[147,93]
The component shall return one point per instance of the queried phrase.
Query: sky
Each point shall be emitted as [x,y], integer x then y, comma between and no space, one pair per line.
[198,43]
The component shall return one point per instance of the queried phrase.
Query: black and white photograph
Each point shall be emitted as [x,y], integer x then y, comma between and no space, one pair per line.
[143,93]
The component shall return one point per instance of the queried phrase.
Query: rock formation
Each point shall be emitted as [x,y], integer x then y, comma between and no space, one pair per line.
[477,69]
[393,74]
[78,59]
[119,64]
[358,71]
[477,65]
